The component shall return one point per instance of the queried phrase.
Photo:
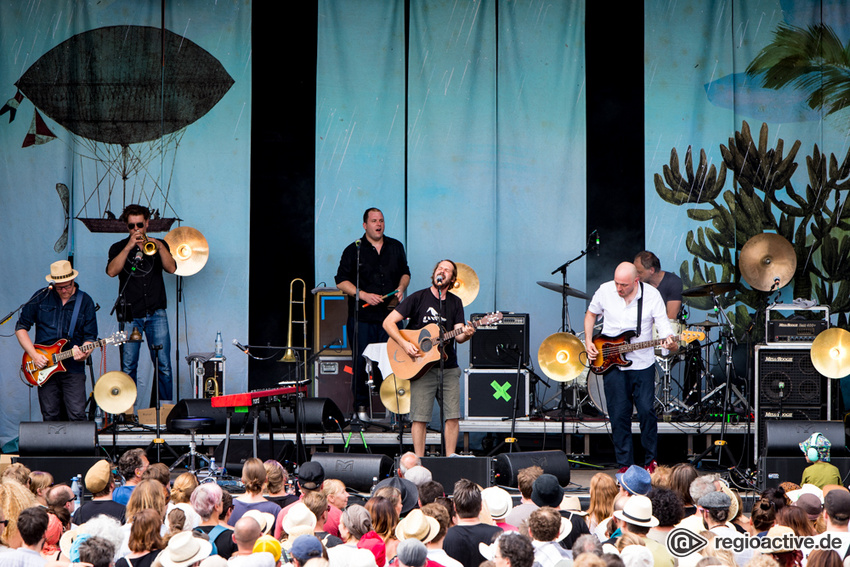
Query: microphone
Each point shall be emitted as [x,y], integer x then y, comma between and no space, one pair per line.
[240,346]
[138,257]
[51,285]
[357,243]
[597,243]
[439,280]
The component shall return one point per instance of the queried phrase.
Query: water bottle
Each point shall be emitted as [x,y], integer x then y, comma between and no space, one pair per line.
[374,484]
[76,489]
[218,345]
[98,418]
[213,469]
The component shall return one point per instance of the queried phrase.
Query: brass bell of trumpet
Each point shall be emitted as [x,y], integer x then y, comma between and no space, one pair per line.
[149,246]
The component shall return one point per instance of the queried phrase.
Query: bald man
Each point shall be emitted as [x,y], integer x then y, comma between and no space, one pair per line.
[622,302]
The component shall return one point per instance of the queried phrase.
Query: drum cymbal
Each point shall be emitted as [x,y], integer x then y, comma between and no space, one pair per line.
[115,392]
[710,289]
[395,394]
[561,288]
[767,262]
[831,353]
[706,324]
[559,357]
[466,284]
[189,248]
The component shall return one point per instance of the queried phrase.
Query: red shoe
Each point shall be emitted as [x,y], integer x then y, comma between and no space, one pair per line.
[650,468]
[622,470]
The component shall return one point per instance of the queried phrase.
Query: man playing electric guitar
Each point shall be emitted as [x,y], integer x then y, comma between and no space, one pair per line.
[53,310]
[424,307]
[628,305]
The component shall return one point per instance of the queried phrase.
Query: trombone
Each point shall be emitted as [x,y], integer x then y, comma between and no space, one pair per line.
[290,355]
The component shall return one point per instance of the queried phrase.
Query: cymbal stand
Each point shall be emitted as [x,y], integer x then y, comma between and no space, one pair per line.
[566,325]
[668,405]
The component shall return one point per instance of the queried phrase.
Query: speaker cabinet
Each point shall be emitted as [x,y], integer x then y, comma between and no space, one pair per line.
[508,465]
[331,316]
[63,469]
[333,380]
[357,471]
[490,394]
[499,345]
[316,414]
[240,450]
[787,387]
[55,438]
[447,470]
[783,438]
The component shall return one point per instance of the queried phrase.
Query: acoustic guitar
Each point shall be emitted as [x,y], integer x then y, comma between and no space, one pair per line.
[55,355]
[427,339]
[612,349]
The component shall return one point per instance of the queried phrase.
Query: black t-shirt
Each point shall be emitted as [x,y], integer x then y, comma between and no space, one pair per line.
[96,507]
[379,273]
[143,561]
[141,281]
[462,541]
[670,287]
[283,501]
[422,309]
[223,542]
[579,529]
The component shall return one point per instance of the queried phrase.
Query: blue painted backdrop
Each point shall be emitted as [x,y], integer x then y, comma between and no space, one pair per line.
[206,176]
[492,121]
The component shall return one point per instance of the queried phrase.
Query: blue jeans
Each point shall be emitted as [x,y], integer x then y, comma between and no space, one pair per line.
[155,329]
[624,389]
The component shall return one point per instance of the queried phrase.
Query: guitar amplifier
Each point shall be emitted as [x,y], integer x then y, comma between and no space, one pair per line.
[792,324]
[490,394]
[500,345]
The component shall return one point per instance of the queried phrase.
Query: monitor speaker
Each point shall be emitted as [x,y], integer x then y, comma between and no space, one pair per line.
[357,471]
[447,470]
[56,438]
[508,465]
[317,415]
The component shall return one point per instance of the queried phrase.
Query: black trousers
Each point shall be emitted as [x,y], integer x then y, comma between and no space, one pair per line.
[66,389]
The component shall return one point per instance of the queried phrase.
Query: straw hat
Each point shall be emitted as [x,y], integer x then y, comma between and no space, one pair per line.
[265,519]
[298,516]
[498,502]
[417,526]
[61,271]
[184,549]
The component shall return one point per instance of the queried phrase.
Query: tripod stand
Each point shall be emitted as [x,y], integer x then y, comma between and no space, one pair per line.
[158,441]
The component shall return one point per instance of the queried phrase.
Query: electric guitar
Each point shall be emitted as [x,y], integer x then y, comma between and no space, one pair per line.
[55,355]
[612,349]
[427,339]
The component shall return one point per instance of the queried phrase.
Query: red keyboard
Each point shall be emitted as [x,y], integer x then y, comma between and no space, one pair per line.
[250,398]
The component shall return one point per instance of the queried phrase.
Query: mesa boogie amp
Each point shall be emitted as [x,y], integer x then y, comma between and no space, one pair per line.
[793,324]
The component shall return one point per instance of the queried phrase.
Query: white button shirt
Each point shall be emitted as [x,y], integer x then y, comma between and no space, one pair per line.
[621,316]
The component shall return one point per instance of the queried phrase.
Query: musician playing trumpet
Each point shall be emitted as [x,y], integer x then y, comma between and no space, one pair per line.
[629,305]
[142,299]
[60,311]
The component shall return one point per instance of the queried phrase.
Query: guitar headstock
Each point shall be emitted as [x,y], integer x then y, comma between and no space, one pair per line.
[118,338]
[690,336]
[491,318]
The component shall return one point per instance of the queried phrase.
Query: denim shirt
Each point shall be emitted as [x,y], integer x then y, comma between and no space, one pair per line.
[52,319]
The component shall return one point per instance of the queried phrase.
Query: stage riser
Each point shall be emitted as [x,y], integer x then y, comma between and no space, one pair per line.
[447,470]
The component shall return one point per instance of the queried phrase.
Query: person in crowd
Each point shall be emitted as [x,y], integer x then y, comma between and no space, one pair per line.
[336,493]
[276,484]
[267,544]
[39,483]
[603,490]
[145,541]
[50,550]
[401,492]
[546,491]
[32,523]
[637,518]
[254,478]
[714,508]
[668,510]
[525,482]
[147,494]
[836,515]
[820,471]
[461,541]
[206,500]
[310,478]
[132,466]
[763,516]
[812,507]
[429,492]
[786,556]
[100,483]
[184,550]
[511,549]
[354,523]
[824,558]
[679,481]
[14,498]
[299,521]
[436,553]
[499,504]
[304,548]
[587,543]
[547,527]
[318,505]
[246,532]
[97,551]
[384,522]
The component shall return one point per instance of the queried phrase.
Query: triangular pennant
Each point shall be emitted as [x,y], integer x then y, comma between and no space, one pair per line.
[39,133]
[11,106]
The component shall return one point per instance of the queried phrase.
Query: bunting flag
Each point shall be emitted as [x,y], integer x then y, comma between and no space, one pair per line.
[11,106]
[39,133]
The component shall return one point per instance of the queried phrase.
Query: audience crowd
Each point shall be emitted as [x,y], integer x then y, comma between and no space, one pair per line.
[633,519]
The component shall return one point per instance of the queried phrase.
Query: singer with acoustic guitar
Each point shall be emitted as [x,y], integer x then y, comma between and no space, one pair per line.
[434,304]
[629,307]
[62,313]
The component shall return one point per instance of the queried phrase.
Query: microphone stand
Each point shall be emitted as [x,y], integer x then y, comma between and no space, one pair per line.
[512,441]
[441,312]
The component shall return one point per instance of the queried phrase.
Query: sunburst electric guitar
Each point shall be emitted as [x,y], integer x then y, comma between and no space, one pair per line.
[55,355]
[427,339]
[612,349]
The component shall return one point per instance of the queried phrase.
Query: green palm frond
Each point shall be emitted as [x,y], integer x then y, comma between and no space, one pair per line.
[812,60]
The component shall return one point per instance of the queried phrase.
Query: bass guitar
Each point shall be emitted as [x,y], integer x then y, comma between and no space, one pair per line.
[612,349]
[55,355]
[427,339]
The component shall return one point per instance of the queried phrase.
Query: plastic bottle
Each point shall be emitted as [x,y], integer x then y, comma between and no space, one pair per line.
[76,489]
[98,418]
[218,345]
[213,469]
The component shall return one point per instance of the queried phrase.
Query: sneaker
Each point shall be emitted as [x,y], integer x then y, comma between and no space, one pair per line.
[622,470]
[650,468]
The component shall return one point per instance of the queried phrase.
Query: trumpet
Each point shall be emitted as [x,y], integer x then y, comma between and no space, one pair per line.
[149,246]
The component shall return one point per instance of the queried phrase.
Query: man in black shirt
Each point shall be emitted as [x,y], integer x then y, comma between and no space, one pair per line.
[383,278]
[434,304]
[60,311]
[668,284]
[142,298]
[100,482]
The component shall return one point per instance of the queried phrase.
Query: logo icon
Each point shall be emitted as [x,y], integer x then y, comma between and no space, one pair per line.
[682,542]
[501,390]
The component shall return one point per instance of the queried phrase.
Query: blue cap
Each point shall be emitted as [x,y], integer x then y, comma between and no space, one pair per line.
[306,547]
[635,480]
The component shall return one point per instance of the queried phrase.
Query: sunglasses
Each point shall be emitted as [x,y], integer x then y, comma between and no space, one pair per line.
[131,225]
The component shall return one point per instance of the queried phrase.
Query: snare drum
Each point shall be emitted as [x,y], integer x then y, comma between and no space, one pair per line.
[677,326]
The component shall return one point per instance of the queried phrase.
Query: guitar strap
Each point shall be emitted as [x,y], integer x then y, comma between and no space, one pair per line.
[640,311]
[78,301]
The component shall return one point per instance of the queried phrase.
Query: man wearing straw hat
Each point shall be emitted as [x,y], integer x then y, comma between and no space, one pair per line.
[60,311]
[142,298]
